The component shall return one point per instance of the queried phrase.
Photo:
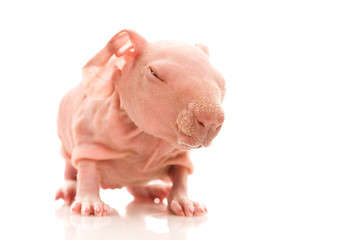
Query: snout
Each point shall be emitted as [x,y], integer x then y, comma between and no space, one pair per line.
[199,124]
[209,124]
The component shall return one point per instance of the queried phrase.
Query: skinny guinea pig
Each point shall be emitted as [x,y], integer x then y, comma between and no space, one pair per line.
[133,118]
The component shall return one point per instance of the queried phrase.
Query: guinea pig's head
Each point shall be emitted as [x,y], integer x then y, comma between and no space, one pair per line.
[168,88]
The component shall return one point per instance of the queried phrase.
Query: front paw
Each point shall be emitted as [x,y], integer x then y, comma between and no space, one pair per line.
[86,205]
[182,206]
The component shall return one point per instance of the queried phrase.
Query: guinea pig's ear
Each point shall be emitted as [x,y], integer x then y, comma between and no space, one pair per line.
[204,48]
[100,73]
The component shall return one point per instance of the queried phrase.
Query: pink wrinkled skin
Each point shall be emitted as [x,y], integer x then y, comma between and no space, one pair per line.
[134,117]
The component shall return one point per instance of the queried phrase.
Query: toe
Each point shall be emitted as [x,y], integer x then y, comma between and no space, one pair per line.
[199,209]
[98,209]
[59,194]
[188,208]
[75,208]
[85,209]
[176,208]
[106,209]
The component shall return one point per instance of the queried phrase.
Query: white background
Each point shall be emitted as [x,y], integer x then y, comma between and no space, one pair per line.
[287,163]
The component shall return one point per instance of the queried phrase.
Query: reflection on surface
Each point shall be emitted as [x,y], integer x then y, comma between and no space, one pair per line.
[142,220]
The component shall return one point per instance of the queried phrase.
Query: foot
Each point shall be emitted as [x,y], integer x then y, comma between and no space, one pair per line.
[67,192]
[88,204]
[183,206]
[150,192]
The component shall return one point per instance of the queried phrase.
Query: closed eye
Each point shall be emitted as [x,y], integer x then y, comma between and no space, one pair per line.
[154,74]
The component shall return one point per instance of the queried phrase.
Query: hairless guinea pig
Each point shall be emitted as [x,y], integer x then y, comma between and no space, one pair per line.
[138,111]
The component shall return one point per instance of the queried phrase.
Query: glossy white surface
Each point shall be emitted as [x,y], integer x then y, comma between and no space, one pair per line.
[140,221]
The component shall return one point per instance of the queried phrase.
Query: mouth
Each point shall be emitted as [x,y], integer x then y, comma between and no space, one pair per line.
[185,141]
[187,146]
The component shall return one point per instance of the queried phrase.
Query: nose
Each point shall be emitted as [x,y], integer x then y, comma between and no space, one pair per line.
[210,121]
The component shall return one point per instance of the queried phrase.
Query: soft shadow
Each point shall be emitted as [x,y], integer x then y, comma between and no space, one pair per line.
[142,220]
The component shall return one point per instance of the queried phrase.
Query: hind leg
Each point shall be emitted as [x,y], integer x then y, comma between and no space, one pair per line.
[68,191]
[150,192]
